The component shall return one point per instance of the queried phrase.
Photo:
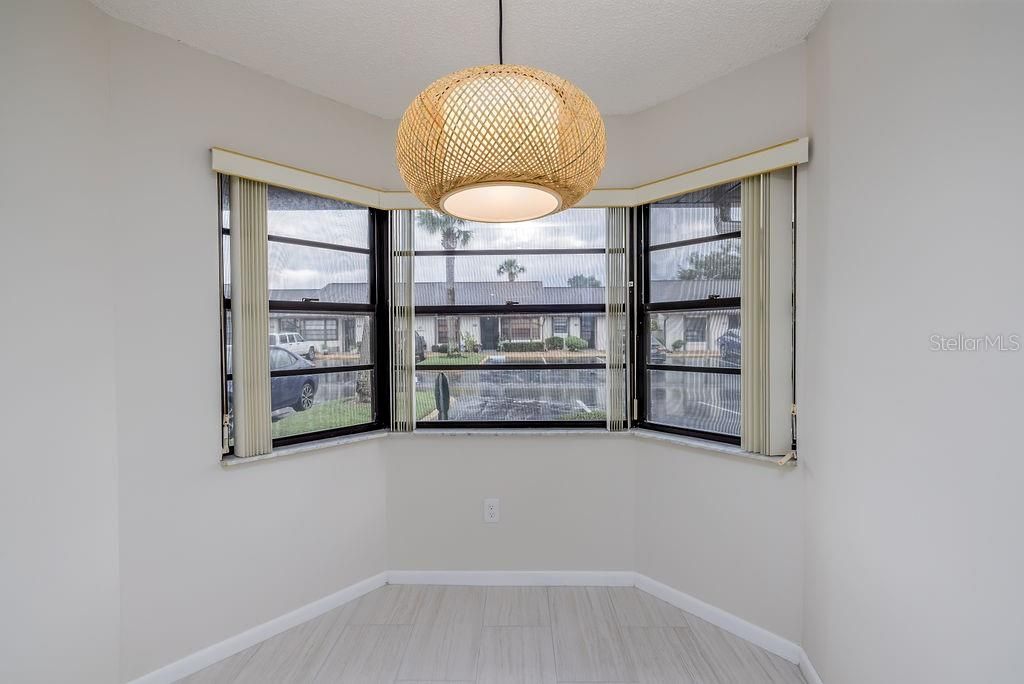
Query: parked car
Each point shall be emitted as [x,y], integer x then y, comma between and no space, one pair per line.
[729,347]
[289,391]
[294,343]
[421,347]
[658,352]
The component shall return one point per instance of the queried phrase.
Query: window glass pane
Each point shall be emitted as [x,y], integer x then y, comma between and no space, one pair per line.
[695,338]
[225,244]
[524,338]
[493,394]
[227,341]
[324,339]
[698,401]
[298,272]
[711,211]
[308,217]
[701,271]
[572,229]
[312,403]
[490,280]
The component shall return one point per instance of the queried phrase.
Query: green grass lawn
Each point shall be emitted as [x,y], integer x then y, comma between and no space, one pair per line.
[445,360]
[583,415]
[339,413]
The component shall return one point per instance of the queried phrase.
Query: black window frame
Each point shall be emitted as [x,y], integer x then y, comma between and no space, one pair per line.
[378,241]
[641,330]
[517,310]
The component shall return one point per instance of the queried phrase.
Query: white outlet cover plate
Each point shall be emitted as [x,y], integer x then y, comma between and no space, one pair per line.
[492,510]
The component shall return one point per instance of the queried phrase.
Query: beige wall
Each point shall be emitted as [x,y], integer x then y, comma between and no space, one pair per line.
[58,462]
[911,458]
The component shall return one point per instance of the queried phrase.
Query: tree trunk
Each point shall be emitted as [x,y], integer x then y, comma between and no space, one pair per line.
[364,381]
[449,279]
[454,338]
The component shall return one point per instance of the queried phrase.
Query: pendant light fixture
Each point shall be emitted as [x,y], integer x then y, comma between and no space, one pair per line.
[501,143]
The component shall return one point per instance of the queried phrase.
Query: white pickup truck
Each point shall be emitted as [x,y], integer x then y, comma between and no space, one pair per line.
[294,343]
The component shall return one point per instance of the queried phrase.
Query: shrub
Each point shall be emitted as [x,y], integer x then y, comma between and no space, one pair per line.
[555,342]
[441,348]
[470,344]
[573,343]
[677,345]
[435,348]
[522,346]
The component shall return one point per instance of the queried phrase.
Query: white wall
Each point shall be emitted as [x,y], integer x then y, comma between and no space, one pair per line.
[58,466]
[566,502]
[724,529]
[753,107]
[749,109]
[108,489]
[912,463]
[207,552]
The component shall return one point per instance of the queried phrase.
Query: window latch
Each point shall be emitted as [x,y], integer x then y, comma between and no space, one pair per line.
[714,296]
[311,299]
[225,432]
[511,303]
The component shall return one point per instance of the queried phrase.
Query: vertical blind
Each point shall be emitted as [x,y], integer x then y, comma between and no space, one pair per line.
[618,307]
[767,314]
[402,319]
[250,320]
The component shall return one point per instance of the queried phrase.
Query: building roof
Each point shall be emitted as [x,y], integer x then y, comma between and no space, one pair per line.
[520,291]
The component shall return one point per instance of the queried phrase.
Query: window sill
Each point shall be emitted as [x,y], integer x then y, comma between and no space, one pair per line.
[515,432]
[677,440]
[708,445]
[232,461]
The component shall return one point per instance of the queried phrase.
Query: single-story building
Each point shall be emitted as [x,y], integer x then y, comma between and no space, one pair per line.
[678,331]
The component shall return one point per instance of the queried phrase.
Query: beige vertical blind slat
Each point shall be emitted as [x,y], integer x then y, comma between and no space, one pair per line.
[766,314]
[753,318]
[402,323]
[617,308]
[250,318]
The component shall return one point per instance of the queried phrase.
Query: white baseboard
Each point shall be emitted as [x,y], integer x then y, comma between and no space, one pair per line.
[758,636]
[208,656]
[516,578]
[555,578]
[807,669]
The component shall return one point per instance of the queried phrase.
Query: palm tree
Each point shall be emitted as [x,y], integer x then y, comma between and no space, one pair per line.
[511,268]
[454,234]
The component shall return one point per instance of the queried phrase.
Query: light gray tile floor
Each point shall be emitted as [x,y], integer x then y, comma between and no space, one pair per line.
[504,635]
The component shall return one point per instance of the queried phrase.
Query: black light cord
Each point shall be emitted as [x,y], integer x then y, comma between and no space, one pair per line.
[501,21]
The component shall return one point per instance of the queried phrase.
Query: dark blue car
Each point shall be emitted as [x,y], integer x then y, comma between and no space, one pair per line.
[289,391]
[729,347]
[295,391]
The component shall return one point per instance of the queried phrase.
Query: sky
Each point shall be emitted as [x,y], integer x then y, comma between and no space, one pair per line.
[299,267]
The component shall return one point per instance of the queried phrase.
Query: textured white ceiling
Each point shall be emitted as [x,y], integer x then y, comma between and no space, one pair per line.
[376,55]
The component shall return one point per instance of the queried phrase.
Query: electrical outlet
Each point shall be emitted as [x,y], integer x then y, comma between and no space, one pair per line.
[492,510]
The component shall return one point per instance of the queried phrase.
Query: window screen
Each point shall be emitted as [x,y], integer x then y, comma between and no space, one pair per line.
[510,321]
[689,355]
[321,271]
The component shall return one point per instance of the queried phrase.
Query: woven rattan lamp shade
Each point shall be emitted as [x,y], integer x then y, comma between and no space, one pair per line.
[502,142]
